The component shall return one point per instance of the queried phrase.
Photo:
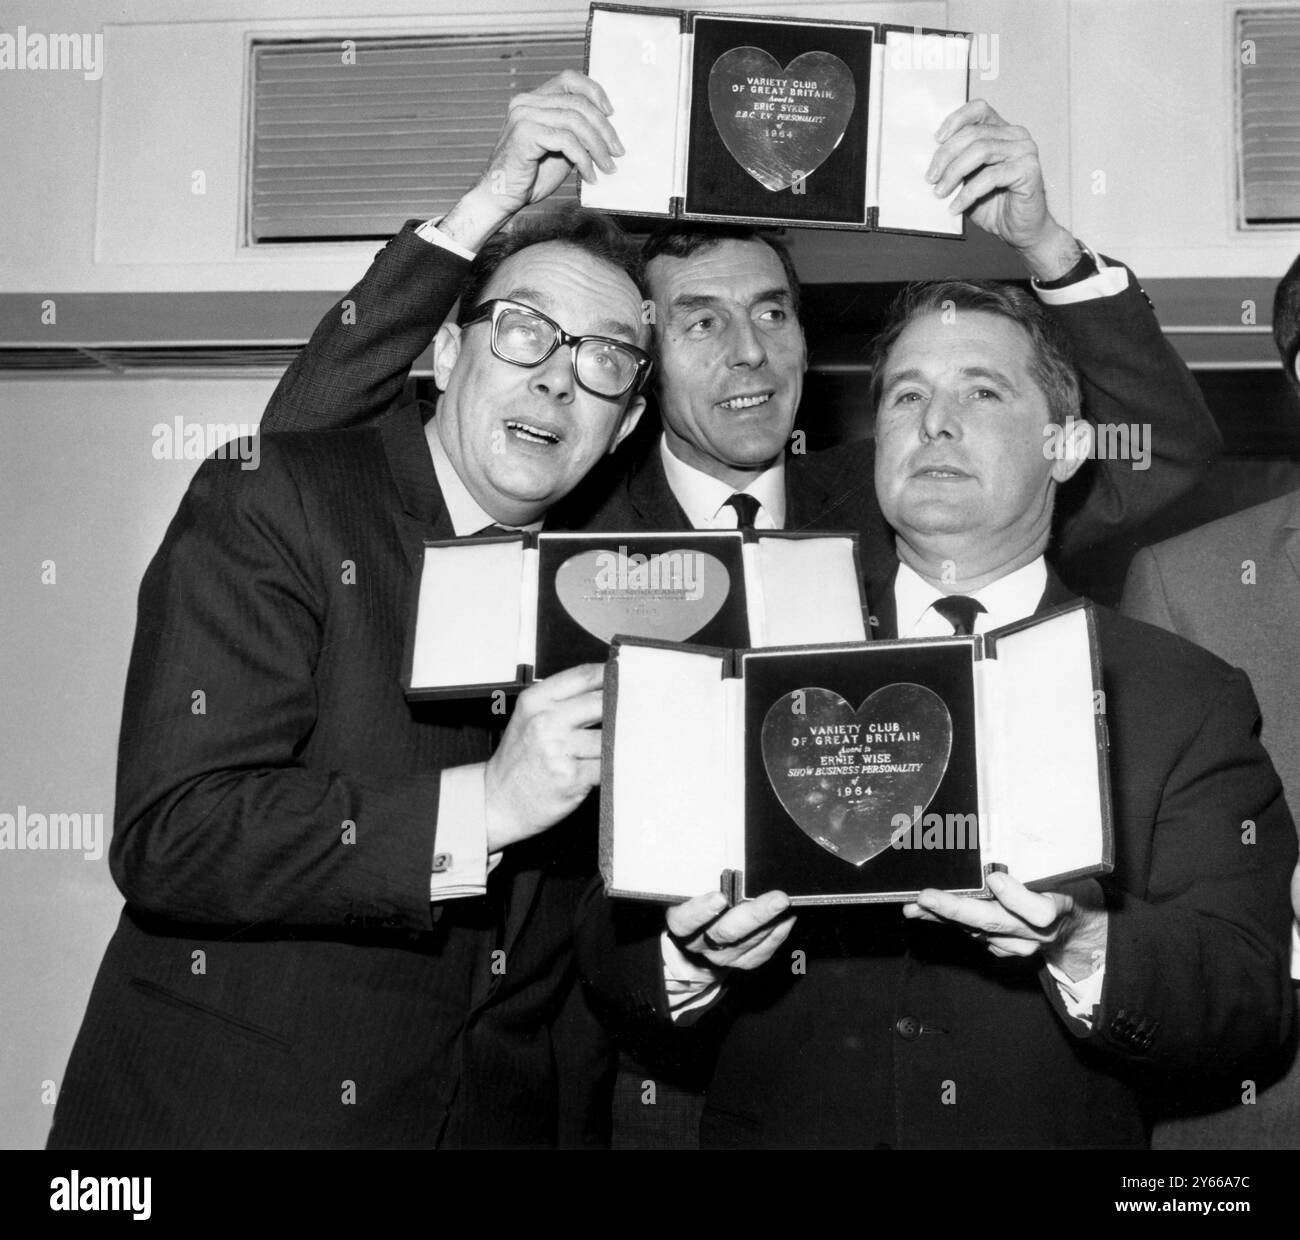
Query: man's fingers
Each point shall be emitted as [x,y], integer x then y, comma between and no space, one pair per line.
[569,111]
[553,128]
[1015,914]
[974,112]
[570,683]
[689,918]
[562,142]
[587,772]
[577,712]
[986,918]
[705,925]
[765,946]
[914,912]
[584,744]
[1013,158]
[944,906]
[571,82]
[980,186]
[739,923]
[1040,909]
[739,931]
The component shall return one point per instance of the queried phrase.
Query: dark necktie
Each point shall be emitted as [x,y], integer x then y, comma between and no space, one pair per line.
[960,611]
[490,531]
[746,507]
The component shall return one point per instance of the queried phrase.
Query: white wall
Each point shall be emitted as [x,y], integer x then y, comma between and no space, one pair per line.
[79,486]
[97,174]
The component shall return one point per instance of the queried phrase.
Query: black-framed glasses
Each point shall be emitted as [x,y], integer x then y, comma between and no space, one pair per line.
[526,337]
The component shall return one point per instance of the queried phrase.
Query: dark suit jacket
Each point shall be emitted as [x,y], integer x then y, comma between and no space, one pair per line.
[913,1035]
[356,364]
[279,976]
[1233,586]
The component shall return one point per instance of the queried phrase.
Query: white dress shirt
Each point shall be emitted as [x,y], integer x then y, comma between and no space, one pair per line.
[461,862]
[704,498]
[1006,600]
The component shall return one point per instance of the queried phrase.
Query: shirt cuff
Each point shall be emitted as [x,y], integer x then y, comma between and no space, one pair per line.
[430,232]
[1081,997]
[460,858]
[1108,282]
[690,986]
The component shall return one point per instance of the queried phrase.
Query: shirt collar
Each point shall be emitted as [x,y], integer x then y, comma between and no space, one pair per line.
[463,509]
[1006,600]
[704,498]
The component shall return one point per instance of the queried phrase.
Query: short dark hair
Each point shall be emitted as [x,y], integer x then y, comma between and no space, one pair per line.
[1052,367]
[1286,320]
[682,240]
[588,231]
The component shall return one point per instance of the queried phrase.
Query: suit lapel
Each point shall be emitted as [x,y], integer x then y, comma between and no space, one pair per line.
[1289,533]
[1276,590]
[422,514]
[807,497]
[520,899]
[1055,593]
[650,496]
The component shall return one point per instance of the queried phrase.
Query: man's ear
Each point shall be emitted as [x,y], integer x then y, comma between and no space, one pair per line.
[446,351]
[1074,440]
[631,416]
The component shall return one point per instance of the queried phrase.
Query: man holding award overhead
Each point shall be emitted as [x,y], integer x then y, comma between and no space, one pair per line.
[731,354]
[348,922]
[1051,1017]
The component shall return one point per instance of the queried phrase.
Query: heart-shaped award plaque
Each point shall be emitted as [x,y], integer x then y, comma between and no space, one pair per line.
[843,775]
[780,124]
[670,595]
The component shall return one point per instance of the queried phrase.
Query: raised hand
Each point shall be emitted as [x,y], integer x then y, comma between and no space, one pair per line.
[560,126]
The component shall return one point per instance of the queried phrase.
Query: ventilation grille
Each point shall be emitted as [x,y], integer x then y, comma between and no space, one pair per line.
[1268,47]
[18,362]
[349,142]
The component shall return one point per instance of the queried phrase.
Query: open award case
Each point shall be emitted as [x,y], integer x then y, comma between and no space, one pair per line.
[771,120]
[845,774]
[497,613]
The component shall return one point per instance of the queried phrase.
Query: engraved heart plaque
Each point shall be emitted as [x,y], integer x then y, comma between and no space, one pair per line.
[670,595]
[780,125]
[843,775]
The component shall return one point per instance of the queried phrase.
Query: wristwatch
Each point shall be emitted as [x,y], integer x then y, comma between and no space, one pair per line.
[1086,266]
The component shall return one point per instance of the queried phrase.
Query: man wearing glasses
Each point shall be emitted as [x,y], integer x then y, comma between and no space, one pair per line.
[347,922]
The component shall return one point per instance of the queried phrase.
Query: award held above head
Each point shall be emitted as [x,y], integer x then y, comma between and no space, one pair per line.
[528,606]
[852,774]
[771,120]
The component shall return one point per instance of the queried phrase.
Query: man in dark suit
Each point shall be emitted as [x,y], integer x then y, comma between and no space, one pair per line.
[346,923]
[1028,1019]
[1233,586]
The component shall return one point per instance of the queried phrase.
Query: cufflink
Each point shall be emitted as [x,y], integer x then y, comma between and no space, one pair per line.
[441,862]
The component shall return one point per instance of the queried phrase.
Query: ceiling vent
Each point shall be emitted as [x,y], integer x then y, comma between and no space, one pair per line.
[141,360]
[352,138]
[1268,118]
